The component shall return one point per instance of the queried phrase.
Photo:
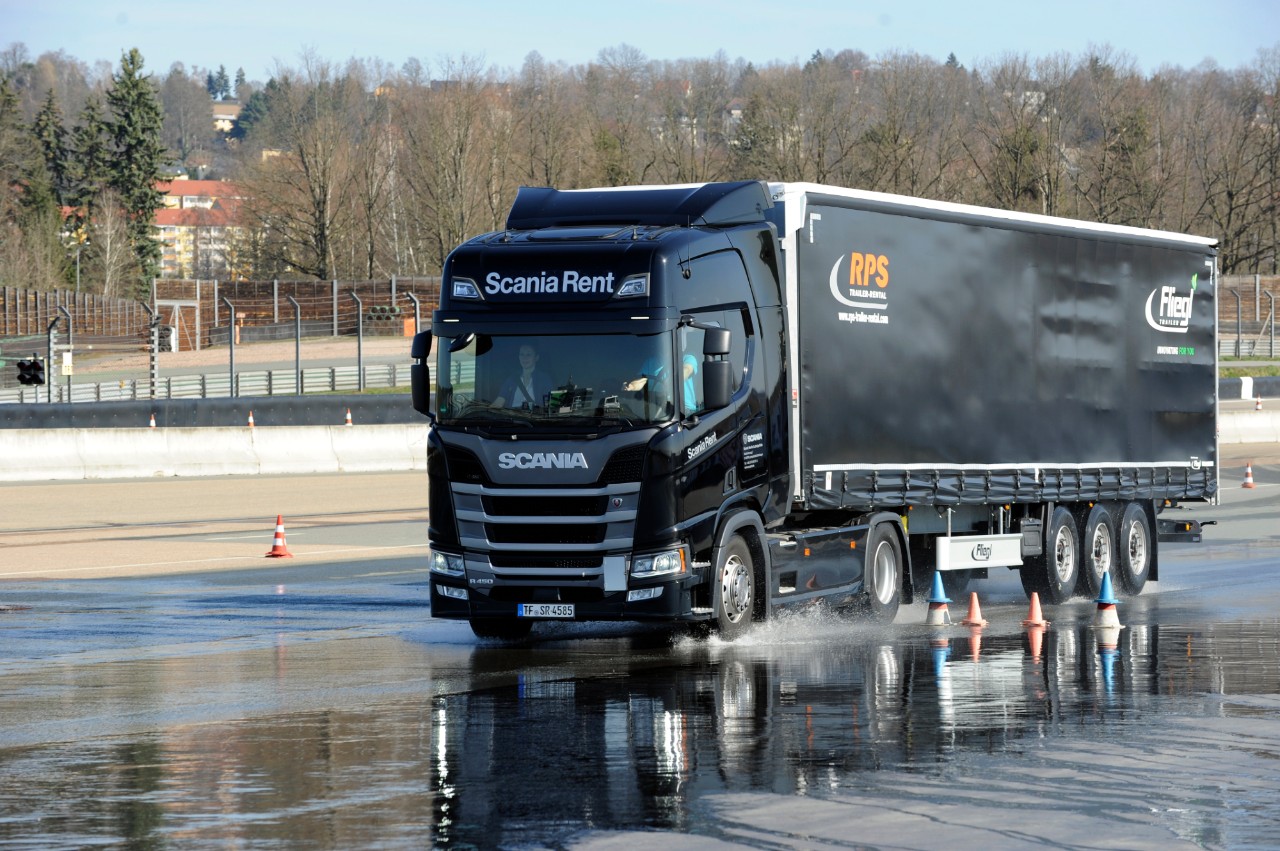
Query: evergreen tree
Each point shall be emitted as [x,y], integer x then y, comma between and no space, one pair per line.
[90,164]
[136,125]
[223,83]
[240,81]
[211,85]
[52,139]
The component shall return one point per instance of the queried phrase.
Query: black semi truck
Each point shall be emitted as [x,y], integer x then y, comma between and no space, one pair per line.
[706,403]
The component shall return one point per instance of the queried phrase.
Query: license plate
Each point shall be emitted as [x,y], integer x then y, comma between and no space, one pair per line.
[544,610]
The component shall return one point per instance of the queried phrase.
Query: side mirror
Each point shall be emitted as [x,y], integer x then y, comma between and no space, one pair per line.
[715,342]
[717,384]
[420,373]
[420,387]
[420,348]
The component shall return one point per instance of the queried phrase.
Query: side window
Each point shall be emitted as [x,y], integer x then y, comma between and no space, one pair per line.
[691,357]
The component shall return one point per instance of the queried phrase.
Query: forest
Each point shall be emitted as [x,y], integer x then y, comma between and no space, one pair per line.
[357,170]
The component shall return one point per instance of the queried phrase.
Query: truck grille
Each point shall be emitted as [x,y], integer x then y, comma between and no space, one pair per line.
[534,531]
[544,533]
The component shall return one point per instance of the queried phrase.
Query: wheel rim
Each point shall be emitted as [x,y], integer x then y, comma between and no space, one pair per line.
[1137,548]
[1100,551]
[735,588]
[884,568]
[1064,553]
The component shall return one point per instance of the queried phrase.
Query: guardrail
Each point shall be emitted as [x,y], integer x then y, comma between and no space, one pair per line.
[270,382]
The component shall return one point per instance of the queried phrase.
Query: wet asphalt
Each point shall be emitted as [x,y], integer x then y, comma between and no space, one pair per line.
[203,696]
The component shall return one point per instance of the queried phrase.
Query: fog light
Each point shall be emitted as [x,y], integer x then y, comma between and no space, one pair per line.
[640,594]
[451,592]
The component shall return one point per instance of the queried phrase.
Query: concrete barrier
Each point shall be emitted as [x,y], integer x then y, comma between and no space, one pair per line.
[28,455]
[1248,427]
[45,454]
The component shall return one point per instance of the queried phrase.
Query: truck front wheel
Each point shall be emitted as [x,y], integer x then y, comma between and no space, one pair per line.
[1053,574]
[735,588]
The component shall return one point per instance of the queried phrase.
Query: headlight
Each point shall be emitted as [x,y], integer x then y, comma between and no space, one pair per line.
[447,563]
[656,564]
[632,286]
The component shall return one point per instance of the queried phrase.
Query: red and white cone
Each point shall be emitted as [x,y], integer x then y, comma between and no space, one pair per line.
[1248,476]
[1257,406]
[348,416]
[251,419]
[278,548]
[974,618]
[153,421]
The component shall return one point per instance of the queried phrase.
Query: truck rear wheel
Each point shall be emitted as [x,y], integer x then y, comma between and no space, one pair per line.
[735,589]
[1099,556]
[1053,574]
[501,629]
[1134,549]
[882,574]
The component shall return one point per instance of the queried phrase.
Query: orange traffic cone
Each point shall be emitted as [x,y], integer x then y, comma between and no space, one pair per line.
[153,421]
[974,618]
[1034,617]
[975,642]
[278,548]
[1248,475]
[1035,641]
[348,416]
[251,419]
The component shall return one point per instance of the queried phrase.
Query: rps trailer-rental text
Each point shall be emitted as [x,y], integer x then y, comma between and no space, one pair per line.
[707,403]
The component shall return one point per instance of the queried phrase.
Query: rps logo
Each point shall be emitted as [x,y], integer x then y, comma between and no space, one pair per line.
[1172,312]
[862,287]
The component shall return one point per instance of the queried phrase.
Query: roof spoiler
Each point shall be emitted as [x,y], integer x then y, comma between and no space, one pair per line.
[705,204]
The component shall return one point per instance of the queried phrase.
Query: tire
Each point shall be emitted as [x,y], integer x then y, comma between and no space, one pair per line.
[734,591]
[502,629]
[1134,550]
[882,575]
[1053,574]
[1098,554]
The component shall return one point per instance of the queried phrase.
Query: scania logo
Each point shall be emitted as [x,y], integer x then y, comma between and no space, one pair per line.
[542,460]
[982,552]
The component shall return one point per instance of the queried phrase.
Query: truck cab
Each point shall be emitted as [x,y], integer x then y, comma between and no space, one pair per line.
[609,372]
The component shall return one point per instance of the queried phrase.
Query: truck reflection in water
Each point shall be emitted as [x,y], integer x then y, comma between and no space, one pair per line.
[527,762]
[531,746]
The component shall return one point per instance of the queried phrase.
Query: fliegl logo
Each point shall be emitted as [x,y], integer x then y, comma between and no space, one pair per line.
[1168,310]
[863,286]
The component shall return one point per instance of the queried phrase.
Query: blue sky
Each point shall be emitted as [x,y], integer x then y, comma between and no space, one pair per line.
[258,34]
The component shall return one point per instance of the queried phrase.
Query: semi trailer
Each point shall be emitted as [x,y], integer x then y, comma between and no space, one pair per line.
[711,403]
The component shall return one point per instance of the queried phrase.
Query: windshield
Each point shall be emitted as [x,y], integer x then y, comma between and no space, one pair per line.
[528,381]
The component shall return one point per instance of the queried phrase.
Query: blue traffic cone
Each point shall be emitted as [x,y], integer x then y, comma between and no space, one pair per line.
[1106,615]
[939,614]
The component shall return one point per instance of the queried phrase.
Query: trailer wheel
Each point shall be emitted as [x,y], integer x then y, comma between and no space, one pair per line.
[882,574]
[1053,574]
[501,629]
[1134,546]
[1099,556]
[735,589]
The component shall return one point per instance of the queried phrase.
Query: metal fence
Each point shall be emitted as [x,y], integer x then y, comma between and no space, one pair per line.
[271,382]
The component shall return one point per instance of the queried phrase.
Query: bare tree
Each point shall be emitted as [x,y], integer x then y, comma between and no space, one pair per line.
[617,89]
[299,186]
[449,156]
[188,115]
[1004,141]
[111,265]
